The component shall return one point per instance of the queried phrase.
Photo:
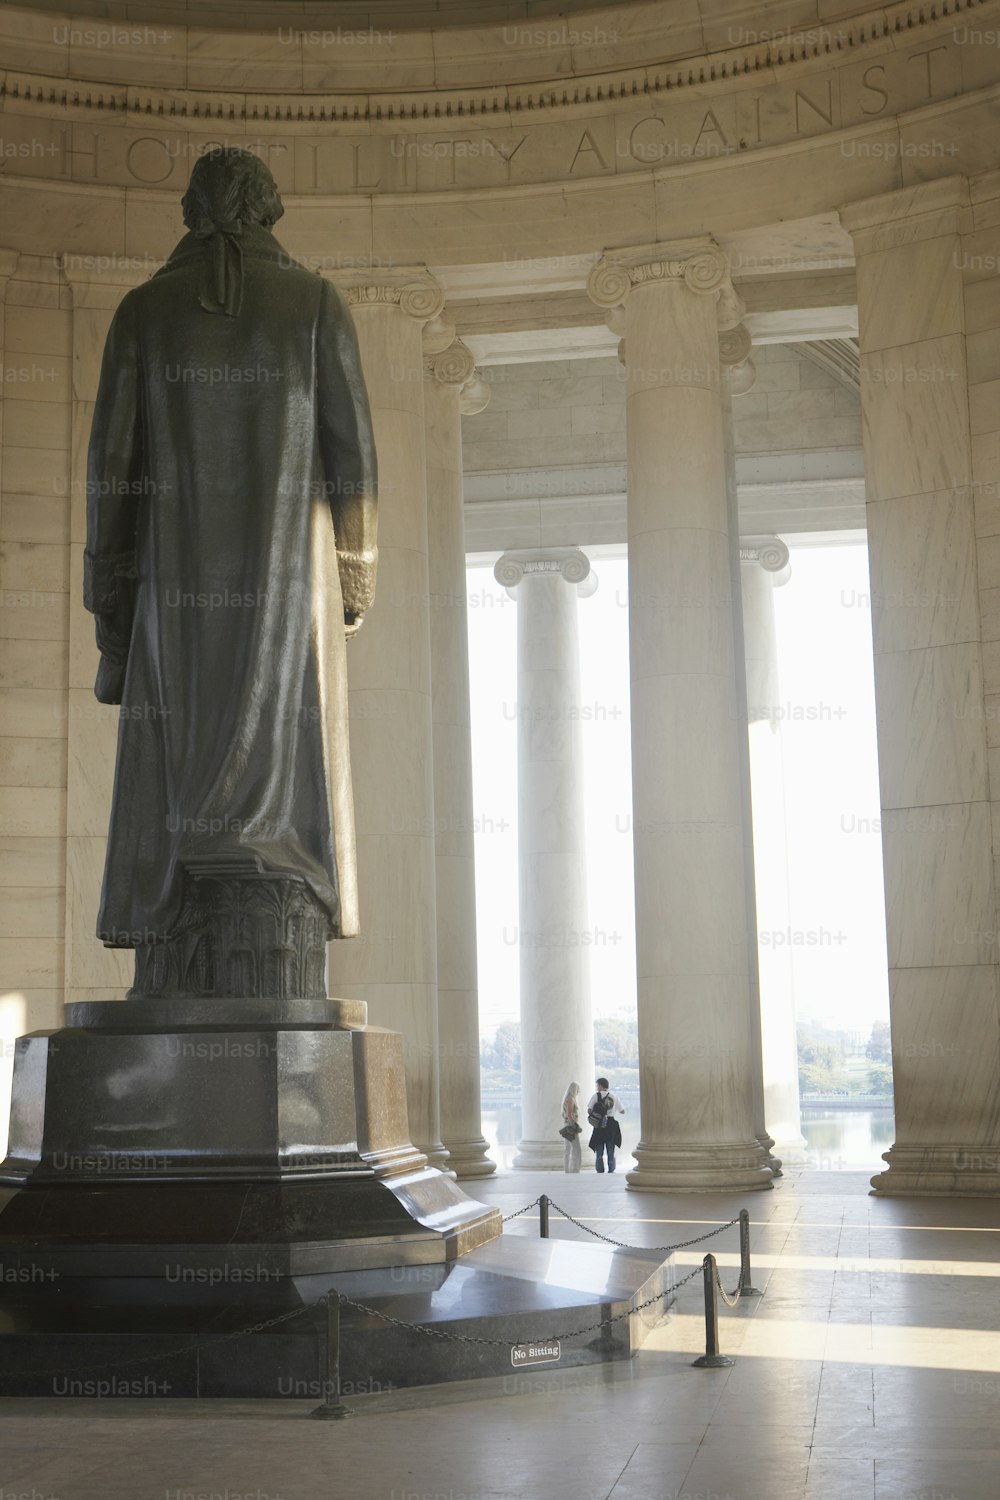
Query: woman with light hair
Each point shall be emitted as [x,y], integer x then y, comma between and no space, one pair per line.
[570,1129]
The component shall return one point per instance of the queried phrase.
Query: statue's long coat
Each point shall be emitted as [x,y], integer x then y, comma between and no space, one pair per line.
[231,493]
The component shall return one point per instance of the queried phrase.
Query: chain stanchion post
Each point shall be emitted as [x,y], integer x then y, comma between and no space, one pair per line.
[746,1288]
[711,1359]
[332,1408]
[543,1217]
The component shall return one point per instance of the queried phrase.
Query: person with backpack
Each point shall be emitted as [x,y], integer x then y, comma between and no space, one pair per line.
[606,1136]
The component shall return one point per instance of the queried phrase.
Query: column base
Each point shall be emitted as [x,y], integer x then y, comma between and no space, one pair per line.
[722,1168]
[940,1172]
[539,1156]
[438,1156]
[469,1159]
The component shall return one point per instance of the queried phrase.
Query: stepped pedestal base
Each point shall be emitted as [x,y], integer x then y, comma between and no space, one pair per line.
[518,1291]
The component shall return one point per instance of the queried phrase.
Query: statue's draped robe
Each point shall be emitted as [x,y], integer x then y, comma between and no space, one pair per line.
[231,494]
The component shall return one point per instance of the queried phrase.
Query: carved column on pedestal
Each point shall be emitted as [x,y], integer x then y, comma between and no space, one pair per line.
[764,566]
[449,374]
[738,375]
[696,1048]
[557,1031]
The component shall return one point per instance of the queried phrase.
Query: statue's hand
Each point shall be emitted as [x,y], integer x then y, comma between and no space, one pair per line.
[352,623]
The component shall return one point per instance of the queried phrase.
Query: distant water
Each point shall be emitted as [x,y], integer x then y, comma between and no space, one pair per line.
[847,1140]
[837,1140]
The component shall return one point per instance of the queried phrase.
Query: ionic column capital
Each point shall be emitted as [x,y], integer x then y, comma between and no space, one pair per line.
[770,554]
[410,288]
[734,357]
[567,562]
[451,366]
[456,366]
[699,264]
[475,395]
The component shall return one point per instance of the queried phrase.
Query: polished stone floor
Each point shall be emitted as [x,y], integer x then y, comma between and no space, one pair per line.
[870,1370]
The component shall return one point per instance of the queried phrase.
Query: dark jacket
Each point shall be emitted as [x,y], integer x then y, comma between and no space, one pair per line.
[612,1131]
[609,1130]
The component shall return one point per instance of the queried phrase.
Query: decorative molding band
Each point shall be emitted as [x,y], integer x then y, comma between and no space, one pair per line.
[829,42]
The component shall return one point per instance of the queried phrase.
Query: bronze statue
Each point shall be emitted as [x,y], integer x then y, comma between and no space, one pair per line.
[231,525]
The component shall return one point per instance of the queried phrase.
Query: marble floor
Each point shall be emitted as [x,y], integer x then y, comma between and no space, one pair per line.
[869,1370]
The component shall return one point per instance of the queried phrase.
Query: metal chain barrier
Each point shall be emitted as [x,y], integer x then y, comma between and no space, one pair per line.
[621,1244]
[712,1358]
[730,1301]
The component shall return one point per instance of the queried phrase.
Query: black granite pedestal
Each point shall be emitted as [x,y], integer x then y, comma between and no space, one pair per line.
[269,1135]
[185,1183]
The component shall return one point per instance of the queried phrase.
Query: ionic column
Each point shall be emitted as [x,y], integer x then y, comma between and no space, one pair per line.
[557,1031]
[694,989]
[451,388]
[765,567]
[738,375]
[927,333]
[392,965]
